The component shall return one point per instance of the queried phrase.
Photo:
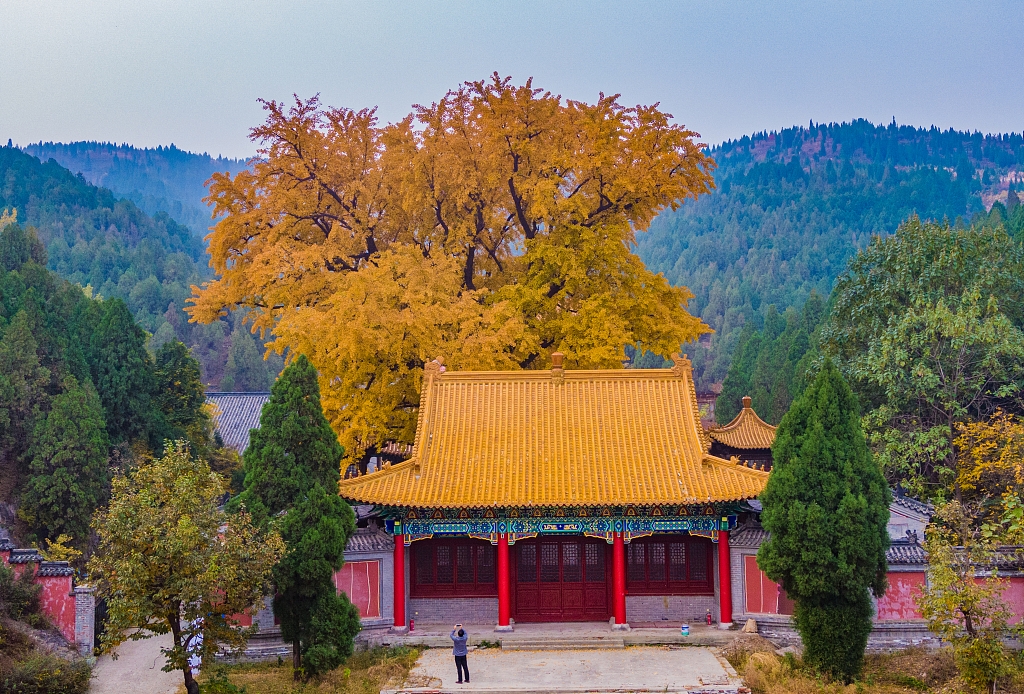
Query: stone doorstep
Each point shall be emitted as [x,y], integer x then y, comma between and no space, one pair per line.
[562,643]
[462,689]
[630,639]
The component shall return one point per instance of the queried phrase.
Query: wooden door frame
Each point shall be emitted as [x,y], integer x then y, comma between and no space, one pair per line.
[513,569]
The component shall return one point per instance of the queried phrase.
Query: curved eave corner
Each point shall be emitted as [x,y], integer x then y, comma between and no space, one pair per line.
[743,482]
[393,484]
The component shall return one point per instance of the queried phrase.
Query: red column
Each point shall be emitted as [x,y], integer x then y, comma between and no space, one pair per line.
[724,579]
[504,582]
[399,580]
[619,579]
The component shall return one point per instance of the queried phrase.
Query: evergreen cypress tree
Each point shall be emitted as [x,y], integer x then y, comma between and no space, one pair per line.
[293,449]
[320,624]
[180,397]
[826,506]
[23,383]
[122,372]
[68,469]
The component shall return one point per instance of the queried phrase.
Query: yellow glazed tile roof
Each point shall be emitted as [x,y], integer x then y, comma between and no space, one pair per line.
[558,438]
[745,431]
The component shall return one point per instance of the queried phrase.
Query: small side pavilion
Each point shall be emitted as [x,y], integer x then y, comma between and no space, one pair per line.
[562,496]
[747,437]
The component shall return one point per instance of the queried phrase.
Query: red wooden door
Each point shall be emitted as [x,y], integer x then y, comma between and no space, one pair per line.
[560,580]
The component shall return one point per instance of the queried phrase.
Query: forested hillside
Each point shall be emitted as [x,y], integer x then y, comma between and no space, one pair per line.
[792,207]
[165,179]
[96,240]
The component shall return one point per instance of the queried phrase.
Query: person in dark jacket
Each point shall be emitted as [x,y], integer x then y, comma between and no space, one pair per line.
[459,651]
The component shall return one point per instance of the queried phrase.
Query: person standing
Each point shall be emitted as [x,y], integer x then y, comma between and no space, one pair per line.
[459,640]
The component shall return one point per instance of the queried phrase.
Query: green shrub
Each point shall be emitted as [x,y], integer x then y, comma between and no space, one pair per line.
[19,596]
[220,684]
[46,674]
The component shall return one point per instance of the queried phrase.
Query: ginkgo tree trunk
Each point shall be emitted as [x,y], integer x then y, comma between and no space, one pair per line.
[492,227]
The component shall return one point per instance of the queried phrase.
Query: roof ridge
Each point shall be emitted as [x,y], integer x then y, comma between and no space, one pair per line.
[742,418]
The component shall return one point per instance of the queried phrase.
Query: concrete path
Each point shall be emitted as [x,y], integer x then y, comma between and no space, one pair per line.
[644,668]
[136,670]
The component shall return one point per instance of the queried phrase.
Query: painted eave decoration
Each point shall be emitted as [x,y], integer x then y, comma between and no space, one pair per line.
[746,431]
[557,438]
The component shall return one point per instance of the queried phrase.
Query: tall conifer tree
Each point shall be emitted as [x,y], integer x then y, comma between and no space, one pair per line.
[293,449]
[68,470]
[180,397]
[318,622]
[122,372]
[826,506]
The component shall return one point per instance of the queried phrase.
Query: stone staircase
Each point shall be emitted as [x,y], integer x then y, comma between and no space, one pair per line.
[562,643]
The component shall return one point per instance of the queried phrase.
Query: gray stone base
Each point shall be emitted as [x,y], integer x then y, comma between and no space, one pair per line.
[620,627]
[885,635]
[399,630]
[500,629]
[725,625]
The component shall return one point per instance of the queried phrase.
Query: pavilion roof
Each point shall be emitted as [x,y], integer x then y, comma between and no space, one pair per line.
[557,438]
[745,431]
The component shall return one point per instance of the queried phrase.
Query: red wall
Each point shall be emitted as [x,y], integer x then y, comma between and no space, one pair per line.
[56,599]
[1014,597]
[899,601]
[763,595]
[58,603]
[360,581]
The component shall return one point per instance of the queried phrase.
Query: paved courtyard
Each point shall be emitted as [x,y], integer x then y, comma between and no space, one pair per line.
[639,668]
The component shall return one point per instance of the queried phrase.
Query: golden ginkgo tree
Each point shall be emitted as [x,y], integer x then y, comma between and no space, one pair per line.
[493,227]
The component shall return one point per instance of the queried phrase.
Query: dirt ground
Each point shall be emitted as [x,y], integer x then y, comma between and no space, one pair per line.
[137,670]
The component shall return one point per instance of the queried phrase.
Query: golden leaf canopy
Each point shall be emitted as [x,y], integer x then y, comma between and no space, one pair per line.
[494,226]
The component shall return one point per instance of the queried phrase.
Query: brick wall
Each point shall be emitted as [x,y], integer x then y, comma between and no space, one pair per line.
[669,608]
[85,619]
[453,610]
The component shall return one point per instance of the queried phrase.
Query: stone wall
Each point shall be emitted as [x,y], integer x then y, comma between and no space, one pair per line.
[454,610]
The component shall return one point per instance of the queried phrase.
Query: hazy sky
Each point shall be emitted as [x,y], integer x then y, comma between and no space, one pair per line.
[153,72]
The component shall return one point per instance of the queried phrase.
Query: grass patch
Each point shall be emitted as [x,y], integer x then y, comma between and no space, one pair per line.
[366,672]
[909,671]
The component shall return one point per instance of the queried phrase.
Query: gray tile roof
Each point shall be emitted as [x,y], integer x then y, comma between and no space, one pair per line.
[905,552]
[899,552]
[370,540]
[24,556]
[238,413]
[748,536]
[920,507]
[55,568]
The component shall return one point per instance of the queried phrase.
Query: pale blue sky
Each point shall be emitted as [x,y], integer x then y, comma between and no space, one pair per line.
[154,72]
